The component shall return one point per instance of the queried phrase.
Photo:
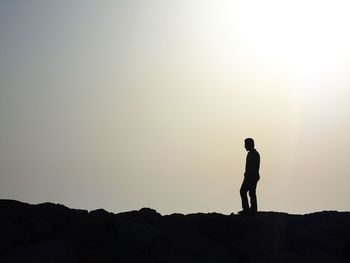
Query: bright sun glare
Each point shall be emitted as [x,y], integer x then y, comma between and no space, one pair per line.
[309,37]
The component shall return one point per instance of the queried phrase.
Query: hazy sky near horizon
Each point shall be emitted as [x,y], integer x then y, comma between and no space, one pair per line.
[131,104]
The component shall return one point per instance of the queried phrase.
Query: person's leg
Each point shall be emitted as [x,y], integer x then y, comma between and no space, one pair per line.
[243,192]
[252,195]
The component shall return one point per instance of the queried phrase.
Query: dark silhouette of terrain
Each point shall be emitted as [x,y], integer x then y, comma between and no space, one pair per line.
[54,233]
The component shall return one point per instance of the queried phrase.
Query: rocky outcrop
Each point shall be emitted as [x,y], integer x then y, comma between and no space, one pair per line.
[54,233]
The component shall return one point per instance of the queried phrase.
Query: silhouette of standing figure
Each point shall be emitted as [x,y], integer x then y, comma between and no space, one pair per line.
[251,178]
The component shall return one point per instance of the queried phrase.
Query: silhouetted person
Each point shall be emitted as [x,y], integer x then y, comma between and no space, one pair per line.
[251,178]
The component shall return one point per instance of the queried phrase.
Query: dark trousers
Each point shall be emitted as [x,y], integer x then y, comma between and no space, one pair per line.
[249,186]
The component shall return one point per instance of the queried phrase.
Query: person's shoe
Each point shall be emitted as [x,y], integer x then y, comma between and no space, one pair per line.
[253,213]
[244,212]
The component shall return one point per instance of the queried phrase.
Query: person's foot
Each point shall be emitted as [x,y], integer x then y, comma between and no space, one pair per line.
[247,212]
[244,212]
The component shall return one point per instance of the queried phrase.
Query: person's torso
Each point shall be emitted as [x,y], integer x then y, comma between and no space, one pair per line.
[252,163]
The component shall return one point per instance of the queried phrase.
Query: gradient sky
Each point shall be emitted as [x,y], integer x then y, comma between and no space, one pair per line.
[131,104]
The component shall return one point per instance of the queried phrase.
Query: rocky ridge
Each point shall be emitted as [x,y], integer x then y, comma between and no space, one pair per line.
[54,233]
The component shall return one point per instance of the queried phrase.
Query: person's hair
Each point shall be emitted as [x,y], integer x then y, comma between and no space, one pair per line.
[249,141]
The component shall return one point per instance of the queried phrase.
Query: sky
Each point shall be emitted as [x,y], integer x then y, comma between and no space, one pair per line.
[128,104]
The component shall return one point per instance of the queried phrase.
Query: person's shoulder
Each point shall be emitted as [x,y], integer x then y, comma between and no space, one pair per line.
[255,152]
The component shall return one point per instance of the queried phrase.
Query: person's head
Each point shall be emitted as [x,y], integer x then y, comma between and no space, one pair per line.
[249,144]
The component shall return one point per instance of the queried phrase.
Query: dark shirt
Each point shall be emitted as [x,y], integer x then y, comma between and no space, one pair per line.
[252,164]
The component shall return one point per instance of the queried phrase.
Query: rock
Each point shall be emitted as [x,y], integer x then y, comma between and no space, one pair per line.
[190,248]
[138,235]
[144,215]
[53,251]
[99,213]
[177,224]
[256,244]
[279,257]
[116,251]
[320,236]
[109,220]
[213,225]
[11,209]
[11,236]
[319,256]
[55,233]
[38,229]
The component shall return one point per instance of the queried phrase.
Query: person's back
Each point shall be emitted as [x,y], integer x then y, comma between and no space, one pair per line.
[252,164]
